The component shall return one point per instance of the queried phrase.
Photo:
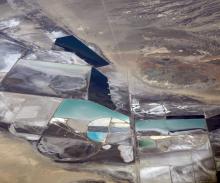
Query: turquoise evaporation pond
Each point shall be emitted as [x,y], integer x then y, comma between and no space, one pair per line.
[86,110]
[171,124]
[97,136]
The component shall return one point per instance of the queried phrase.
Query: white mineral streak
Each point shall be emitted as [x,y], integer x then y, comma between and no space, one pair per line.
[126,153]
[57,57]
[9,23]
[27,136]
[106,147]
[55,34]
[10,59]
[152,172]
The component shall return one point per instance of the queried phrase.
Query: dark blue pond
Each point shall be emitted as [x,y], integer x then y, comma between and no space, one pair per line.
[72,44]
